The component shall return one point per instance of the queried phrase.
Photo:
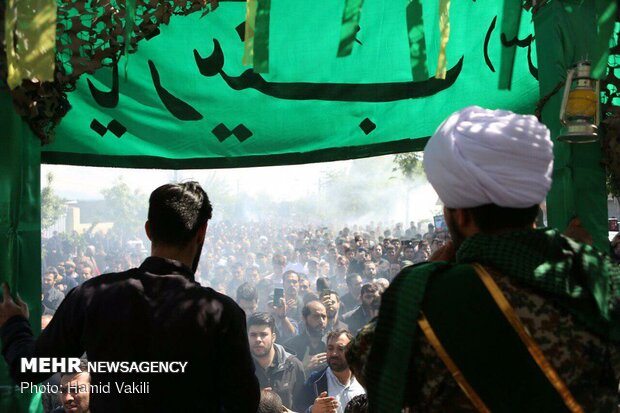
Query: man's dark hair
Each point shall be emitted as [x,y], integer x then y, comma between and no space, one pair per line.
[322,283]
[492,218]
[176,212]
[358,404]
[337,333]
[270,402]
[247,292]
[262,319]
[369,288]
[310,296]
[306,311]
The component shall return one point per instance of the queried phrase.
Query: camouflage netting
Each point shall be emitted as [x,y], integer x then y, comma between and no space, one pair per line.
[89,35]
[610,113]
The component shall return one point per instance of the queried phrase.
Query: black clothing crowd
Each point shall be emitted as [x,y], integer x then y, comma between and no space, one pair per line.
[310,281]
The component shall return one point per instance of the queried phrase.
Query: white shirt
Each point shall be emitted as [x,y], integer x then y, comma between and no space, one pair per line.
[342,392]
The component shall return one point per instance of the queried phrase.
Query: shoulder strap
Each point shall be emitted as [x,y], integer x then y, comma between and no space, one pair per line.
[454,369]
[473,334]
[527,340]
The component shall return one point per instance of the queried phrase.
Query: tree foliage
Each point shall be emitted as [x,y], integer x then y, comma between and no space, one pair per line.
[409,164]
[52,206]
[128,207]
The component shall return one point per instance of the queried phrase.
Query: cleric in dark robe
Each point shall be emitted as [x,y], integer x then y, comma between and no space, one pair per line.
[509,317]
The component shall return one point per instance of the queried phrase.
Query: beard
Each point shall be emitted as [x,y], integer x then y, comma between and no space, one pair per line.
[260,353]
[336,364]
[196,260]
[315,331]
[455,233]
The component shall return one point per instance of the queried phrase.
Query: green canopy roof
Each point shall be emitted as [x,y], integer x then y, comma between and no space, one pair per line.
[185,100]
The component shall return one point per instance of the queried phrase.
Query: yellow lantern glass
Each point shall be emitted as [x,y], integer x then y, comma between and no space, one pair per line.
[581,103]
[579,113]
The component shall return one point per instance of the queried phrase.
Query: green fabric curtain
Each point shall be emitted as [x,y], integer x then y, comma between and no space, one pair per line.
[566,33]
[188,101]
[20,230]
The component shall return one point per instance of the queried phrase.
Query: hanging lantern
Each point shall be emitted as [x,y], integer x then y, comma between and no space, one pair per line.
[580,106]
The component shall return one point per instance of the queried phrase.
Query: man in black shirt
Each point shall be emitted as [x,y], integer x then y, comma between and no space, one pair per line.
[156,312]
[351,299]
[359,317]
[309,346]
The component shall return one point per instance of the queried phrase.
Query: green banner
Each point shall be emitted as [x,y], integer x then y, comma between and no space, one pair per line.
[188,102]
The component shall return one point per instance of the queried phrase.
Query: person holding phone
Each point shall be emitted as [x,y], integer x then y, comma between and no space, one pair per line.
[285,327]
[331,301]
[294,303]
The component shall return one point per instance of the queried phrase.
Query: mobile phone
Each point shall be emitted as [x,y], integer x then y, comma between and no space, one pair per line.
[440,222]
[278,293]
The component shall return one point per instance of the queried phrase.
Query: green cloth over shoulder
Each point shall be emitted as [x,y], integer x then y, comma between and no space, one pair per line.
[576,276]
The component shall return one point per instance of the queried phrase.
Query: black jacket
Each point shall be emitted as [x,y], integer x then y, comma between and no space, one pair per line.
[285,376]
[339,325]
[348,303]
[153,313]
[356,319]
[301,347]
[314,386]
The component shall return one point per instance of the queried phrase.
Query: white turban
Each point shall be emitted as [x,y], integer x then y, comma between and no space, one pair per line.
[479,156]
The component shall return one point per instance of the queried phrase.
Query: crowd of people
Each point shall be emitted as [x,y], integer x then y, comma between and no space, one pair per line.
[68,260]
[301,289]
[257,253]
[500,315]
